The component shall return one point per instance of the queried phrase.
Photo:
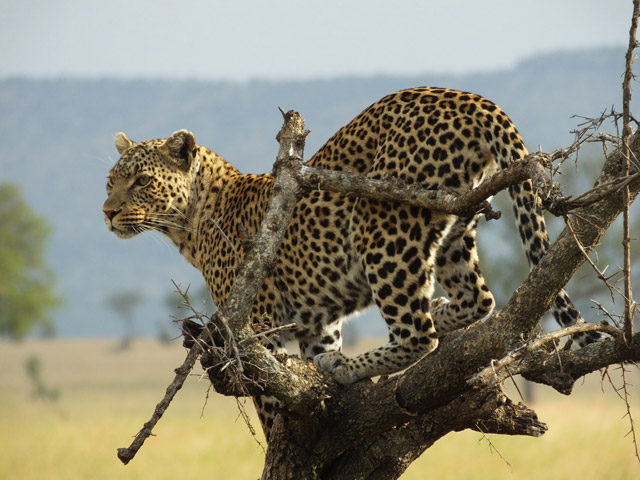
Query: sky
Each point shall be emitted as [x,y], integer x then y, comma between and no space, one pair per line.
[286,39]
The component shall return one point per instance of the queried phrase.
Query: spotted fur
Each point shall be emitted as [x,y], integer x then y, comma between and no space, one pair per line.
[342,254]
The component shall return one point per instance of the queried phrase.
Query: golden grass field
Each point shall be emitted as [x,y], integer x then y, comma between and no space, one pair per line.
[106,396]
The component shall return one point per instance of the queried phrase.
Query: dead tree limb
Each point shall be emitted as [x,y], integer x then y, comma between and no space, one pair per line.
[126,454]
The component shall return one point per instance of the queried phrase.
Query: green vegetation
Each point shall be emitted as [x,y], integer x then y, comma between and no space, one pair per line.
[107,398]
[26,281]
[33,368]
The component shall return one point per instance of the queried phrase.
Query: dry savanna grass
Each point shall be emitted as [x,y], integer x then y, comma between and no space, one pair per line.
[106,395]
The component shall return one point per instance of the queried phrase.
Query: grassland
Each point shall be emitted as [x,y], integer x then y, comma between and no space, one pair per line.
[106,395]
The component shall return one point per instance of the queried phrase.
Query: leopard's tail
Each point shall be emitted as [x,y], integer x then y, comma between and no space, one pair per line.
[527,208]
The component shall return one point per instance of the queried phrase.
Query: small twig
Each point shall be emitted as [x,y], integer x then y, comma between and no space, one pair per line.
[247,421]
[265,333]
[513,381]
[492,447]
[632,428]
[206,399]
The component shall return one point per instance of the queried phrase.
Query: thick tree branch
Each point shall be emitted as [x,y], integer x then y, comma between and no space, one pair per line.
[387,453]
[560,369]
[487,411]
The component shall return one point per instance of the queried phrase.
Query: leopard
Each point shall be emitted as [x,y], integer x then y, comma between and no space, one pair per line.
[340,253]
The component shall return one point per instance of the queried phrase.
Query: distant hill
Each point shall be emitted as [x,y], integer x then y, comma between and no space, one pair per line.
[57,145]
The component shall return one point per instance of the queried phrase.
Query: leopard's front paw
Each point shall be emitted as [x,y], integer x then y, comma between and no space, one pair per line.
[336,364]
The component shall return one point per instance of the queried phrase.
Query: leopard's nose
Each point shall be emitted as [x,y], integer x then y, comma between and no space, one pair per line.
[111,213]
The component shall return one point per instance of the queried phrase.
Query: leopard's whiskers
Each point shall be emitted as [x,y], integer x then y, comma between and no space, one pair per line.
[154,221]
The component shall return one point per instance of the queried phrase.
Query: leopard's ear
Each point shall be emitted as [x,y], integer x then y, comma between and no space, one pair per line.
[122,143]
[181,148]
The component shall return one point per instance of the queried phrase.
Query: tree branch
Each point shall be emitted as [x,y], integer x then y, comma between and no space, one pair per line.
[499,370]
[487,411]
[561,369]
[126,454]
[394,190]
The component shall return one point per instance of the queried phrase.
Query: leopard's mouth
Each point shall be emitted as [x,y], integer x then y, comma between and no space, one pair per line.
[120,232]
[124,234]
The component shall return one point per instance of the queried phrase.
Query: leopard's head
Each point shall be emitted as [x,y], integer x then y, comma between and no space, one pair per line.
[149,187]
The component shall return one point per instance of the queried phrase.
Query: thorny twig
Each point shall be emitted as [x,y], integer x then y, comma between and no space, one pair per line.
[553,200]
[615,319]
[624,396]
[229,352]
[492,447]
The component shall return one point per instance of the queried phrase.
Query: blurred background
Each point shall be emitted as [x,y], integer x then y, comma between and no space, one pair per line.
[87,344]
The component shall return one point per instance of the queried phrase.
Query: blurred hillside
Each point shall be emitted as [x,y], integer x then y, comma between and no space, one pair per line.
[57,146]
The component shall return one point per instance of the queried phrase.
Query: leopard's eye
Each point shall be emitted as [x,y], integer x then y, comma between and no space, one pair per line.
[109,183]
[143,180]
